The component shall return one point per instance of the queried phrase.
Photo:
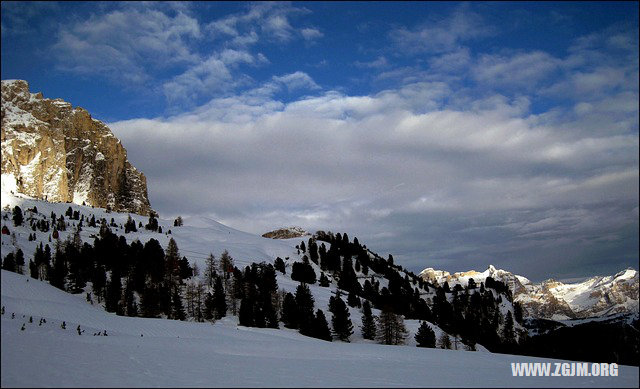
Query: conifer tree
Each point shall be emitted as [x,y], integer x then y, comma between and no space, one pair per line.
[209,308]
[353,300]
[172,264]
[114,294]
[289,314]
[99,281]
[245,315]
[33,270]
[219,300]
[342,326]
[368,327]
[507,332]
[226,264]
[210,270]
[17,216]
[59,272]
[9,262]
[320,326]
[324,280]
[177,309]
[19,257]
[305,302]
[129,299]
[279,265]
[425,337]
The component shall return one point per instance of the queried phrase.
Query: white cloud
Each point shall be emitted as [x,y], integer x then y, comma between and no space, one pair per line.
[205,77]
[380,62]
[126,43]
[262,20]
[524,70]
[310,34]
[375,164]
[297,80]
[443,35]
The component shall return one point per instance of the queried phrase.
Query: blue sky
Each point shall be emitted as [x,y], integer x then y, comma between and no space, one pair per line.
[453,135]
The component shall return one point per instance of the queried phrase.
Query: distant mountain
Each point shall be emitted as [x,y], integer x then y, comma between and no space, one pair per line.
[286,233]
[550,299]
[52,151]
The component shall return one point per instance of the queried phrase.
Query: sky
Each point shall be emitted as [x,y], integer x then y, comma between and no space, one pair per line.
[452,135]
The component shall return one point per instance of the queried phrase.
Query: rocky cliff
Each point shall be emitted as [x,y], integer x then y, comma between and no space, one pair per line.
[54,152]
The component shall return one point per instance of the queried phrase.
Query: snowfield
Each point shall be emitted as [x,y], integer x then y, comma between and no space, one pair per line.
[141,352]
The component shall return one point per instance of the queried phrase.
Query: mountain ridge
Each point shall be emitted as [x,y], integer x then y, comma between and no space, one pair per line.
[551,299]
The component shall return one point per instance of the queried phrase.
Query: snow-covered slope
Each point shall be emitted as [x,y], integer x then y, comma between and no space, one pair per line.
[141,352]
[597,296]
[196,239]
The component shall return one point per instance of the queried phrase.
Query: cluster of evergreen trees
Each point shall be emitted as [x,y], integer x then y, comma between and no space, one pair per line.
[473,313]
[146,280]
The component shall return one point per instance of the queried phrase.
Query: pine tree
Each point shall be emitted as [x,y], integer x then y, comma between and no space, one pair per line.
[59,272]
[279,265]
[219,300]
[9,262]
[507,332]
[245,316]
[210,270]
[226,264]
[305,302]
[290,314]
[172,264]
[353,300]
[114,294]
[425,337]
[33,270]
[130,225]
[209,308]
[99,281]
[324,280]
[342,326]
[368,327]
[17,216]
[177,309]
[19,261]
[129,299]
[320,327]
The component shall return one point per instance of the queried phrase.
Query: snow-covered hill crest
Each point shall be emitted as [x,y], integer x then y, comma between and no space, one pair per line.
[55,152]
[551,299]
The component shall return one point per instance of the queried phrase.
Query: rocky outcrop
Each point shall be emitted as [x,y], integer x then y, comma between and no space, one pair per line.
[54,152]
[286,233]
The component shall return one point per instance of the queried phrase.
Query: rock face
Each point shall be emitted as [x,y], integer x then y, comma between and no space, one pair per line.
[551,299]
[286,233]
[54,152]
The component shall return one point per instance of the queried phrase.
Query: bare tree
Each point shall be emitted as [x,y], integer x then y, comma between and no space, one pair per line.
[444,341]
[390,328]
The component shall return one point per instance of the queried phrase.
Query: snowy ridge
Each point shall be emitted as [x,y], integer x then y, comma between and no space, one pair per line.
[597,296]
